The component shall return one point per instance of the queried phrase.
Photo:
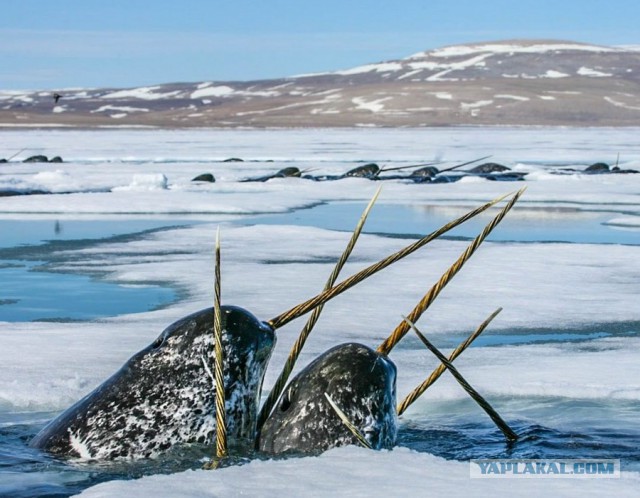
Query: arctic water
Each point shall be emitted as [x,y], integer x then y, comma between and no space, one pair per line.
[557,413]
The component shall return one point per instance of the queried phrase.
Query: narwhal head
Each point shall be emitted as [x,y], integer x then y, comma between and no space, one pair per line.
[165,394]
[361,381]
[182,358]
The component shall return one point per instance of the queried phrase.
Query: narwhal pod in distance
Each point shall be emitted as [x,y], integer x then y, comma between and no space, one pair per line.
[165,394]
[361,382]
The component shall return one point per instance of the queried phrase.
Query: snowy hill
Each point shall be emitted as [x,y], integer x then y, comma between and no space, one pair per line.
[521,82]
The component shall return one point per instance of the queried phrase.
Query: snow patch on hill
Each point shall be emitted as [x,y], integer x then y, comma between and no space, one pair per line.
[212,91]
[143,93]
[511,48]
[585,71]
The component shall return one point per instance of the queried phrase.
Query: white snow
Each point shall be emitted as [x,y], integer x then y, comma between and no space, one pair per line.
[474,107]
[409,74]
[625,221]
[144,182]
[623,105]
[142,93]
[446,59]
[554,74]
[14,95]
[212,91]
[457,66]
[125,109]
[512,97]
[371,105]
[511,48]
[550,286]
[585,71]
[382,67]
[442,95]
[358,473]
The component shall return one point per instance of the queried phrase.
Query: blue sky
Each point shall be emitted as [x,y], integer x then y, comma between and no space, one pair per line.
[48,44]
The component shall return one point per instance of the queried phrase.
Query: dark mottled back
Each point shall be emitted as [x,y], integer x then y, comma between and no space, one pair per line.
[489,168]
[370,170]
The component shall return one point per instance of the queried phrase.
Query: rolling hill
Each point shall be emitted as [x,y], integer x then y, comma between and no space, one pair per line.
[519,82]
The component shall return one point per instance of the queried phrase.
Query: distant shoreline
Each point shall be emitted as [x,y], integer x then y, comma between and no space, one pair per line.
[508,83]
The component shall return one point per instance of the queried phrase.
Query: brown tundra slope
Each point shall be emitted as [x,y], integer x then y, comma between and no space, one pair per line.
[521,82]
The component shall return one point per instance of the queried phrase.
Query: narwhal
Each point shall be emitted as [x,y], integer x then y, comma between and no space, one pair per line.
[348,394]
[165,394]
[359,380]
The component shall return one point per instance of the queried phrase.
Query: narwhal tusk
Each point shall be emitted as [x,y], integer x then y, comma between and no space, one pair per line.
[400,331]
[346,284]
[464,164]
[221,424]
[439,370]
[484,404]
[313,318]
[345,420]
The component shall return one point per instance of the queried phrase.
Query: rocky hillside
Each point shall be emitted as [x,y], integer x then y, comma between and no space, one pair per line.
[510,82]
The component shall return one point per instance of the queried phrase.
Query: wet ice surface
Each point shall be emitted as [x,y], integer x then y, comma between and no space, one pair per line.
[559,363]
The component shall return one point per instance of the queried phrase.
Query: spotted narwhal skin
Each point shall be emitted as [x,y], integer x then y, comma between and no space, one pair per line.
[370,170]
[165,394]
[361,381]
